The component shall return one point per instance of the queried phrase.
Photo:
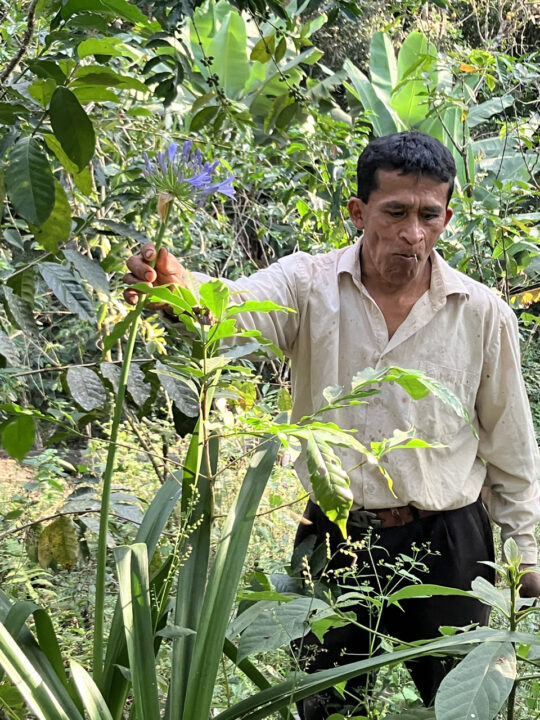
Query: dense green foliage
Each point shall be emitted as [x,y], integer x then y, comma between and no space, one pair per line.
[86,88]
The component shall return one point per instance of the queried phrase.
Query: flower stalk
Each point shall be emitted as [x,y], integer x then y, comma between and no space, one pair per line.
[175,176]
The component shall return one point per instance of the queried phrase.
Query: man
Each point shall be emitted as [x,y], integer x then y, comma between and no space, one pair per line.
[389,300]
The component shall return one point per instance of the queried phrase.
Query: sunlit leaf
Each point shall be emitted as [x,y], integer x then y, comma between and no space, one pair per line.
[72,127]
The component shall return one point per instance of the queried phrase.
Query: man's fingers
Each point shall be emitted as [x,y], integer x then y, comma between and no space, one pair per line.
[140,269]
[131,296]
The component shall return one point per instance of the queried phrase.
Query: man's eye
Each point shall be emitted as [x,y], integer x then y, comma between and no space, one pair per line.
[395,213]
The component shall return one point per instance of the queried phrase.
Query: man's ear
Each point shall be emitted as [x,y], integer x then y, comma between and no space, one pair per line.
[448,216]
[356,210]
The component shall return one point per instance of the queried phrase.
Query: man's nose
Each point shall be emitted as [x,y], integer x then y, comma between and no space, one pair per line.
[412,231]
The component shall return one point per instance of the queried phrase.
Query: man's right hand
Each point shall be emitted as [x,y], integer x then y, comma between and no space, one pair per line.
[166,271]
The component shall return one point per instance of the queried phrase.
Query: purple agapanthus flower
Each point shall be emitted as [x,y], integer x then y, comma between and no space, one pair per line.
[184,175]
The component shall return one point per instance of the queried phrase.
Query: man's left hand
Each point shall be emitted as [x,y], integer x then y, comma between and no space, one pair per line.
[530,583]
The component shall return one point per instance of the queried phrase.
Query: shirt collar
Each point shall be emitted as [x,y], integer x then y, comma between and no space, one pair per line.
[445,280]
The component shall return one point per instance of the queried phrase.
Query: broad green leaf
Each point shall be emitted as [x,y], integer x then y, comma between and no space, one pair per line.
[174,631]
[329,481]
[214,295]
[42,91]
[487,593]
[422,591]
[134,590]
[20,312]
[263,306]
[18,436]
[203,118]
[276,626]
[9,112]
[511,552]
[67,289]
[93,701]
[229,46]
[114,8]
[72,127]
[58,543]
[83,179]
[101,75]
[417,61]
[30,182]
[45,68]
[111,46]
[89,270]
[56,230]
[137,386]
[94,93]
[86,388]
[178,390]
[482,112]
[263,49]
[382,65]
[382,117]
[479,685]
[9,351]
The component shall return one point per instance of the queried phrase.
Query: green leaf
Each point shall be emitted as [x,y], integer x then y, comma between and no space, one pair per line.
[89,270]
[276,626]
[422,591]
[133,583]
[229,46]
[382,117]
[9,112]
[118,331]
[22,673]
[56,230]
[180,392]
[203,118]
[110,46]
[479,685]
[487,593]
[18,436]
[417,61]
[100,75]
[30,182]
[115,8]
[58,543]
[67,289]
[263,49]
[482,112]
[214,295]
[137,386]
[86,388]
[83,179]
[382,65]
[329,481]
[174,631]
[20,312]
[42,91]
[9,351]
[72,127]
[223,582]
[93,701]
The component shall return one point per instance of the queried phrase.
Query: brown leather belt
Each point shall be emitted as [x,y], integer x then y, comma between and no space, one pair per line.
[388,517]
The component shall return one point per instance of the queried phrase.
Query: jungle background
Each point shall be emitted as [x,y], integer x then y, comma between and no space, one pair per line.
[285,95]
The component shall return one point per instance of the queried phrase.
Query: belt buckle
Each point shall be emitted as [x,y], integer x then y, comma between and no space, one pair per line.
[364,519]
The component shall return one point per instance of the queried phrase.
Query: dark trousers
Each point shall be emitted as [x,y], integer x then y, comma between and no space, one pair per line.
[458,540]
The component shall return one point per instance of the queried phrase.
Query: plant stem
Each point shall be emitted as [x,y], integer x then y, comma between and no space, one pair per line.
[99,620]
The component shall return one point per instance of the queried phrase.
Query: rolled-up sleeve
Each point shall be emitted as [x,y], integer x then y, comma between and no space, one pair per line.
[506,439]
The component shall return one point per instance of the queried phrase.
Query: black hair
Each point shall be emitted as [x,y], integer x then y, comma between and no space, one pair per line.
[410,152]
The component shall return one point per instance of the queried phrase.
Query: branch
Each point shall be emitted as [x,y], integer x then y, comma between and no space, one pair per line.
[24,45]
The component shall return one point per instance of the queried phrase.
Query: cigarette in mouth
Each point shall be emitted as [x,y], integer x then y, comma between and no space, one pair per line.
[415,257]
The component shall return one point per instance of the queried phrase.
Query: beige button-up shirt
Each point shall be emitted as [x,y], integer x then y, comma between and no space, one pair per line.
[459,332]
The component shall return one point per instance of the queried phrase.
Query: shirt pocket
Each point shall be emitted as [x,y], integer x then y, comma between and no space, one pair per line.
[433,419]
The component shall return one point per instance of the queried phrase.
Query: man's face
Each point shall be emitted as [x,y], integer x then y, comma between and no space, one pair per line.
[402,222]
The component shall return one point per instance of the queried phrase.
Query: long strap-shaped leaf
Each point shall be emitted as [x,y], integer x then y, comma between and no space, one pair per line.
[94,703]
[223,582]
[41,701]
[132,566]
[115,686]
[44,657]
[193,573]
[264,703]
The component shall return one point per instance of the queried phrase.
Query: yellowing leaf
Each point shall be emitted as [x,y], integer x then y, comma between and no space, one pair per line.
[58,544]
[466,68]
